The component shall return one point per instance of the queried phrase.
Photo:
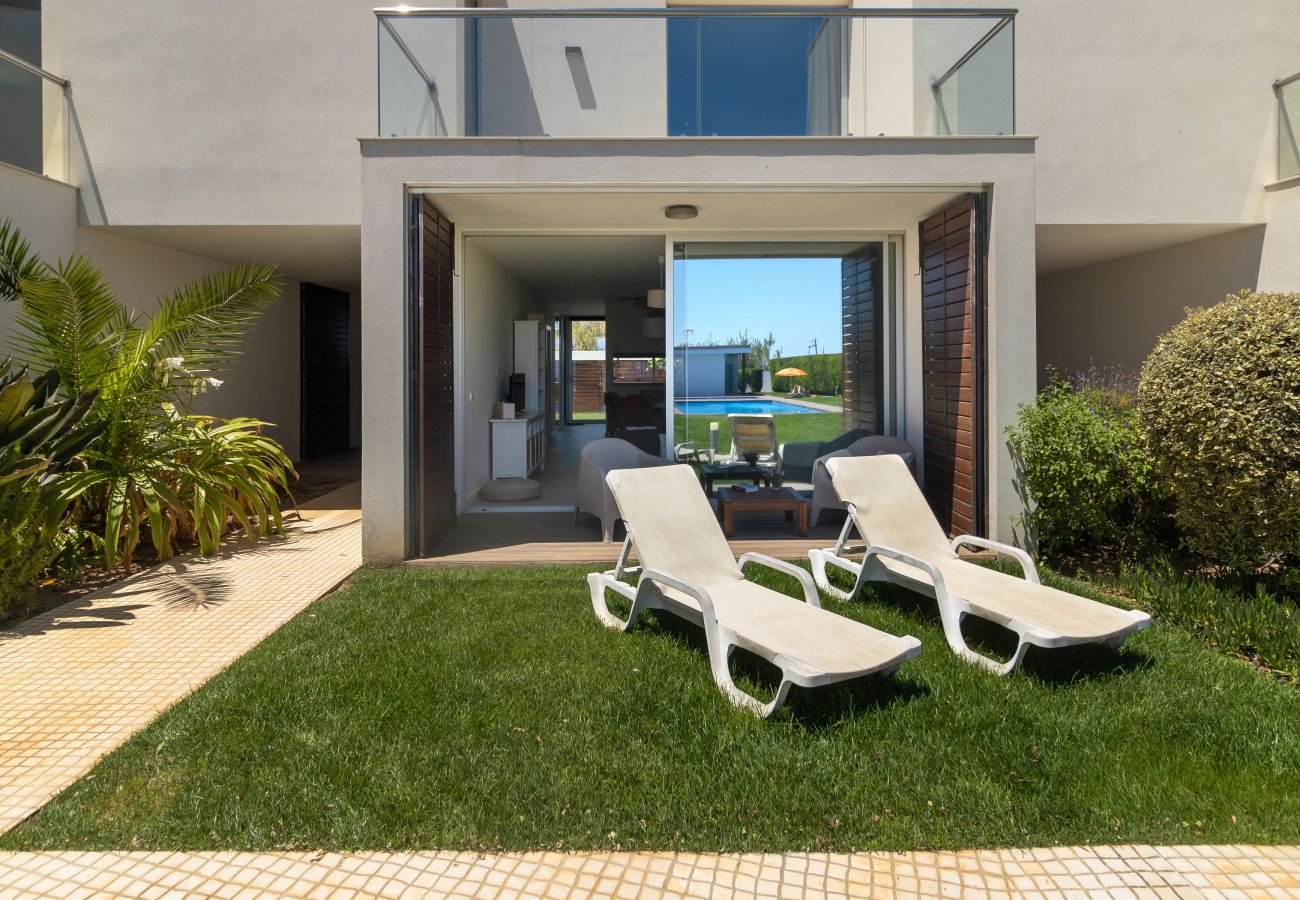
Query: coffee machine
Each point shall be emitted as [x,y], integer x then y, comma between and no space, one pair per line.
[516,393]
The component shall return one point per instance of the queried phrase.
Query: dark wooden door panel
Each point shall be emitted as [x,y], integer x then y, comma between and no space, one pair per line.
[951,363]
[437,465]
[863,385]
[326,379]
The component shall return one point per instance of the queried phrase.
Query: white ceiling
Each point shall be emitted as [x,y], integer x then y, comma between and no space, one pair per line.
[1062,247]
[324,254]
[750,211]
[574,270]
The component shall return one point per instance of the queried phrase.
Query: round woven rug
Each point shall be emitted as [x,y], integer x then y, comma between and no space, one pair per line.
[500,489]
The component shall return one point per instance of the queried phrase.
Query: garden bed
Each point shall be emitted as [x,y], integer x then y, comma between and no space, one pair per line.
[487,709]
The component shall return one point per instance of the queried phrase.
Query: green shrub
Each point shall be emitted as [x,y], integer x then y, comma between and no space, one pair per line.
[41,437]
[155,472]
[22,552]
[1083,470]
[1219,408]
[825,373]
[1243,619]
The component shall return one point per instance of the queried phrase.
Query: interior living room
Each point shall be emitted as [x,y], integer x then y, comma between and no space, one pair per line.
[563,342]
[569,341]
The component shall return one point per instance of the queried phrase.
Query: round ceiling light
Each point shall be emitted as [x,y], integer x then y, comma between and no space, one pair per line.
[681,211]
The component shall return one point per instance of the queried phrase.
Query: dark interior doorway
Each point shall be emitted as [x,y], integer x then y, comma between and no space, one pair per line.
[326,380]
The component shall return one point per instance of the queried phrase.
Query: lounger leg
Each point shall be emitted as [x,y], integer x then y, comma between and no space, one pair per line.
[952,619]
[599,582]
[720,651]
[820,559]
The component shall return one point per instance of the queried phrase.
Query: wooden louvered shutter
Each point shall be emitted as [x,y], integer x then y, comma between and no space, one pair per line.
[437,463]
[952,262]
[863,386]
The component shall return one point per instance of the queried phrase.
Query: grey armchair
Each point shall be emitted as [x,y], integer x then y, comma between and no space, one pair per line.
[797,457]
[598,459]
[824,495]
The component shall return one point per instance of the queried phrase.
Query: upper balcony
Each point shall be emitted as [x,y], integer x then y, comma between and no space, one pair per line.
[1288,126]
[34,118]
[691,72]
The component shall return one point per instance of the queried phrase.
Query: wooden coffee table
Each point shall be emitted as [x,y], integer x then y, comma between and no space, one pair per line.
[767,499]
[712,472]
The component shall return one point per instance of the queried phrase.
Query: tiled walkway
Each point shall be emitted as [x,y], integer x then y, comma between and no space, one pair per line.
[1094,872]
[77,681]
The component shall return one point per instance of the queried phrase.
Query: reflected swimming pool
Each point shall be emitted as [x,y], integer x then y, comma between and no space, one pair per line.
[749,407]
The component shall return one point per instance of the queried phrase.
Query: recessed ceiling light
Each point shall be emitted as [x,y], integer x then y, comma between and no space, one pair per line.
[681,211]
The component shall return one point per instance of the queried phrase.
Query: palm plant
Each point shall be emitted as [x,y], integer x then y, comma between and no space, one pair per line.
[158,470]
[41,436]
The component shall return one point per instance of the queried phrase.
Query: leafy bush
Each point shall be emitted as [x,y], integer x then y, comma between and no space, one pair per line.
[197,475]
[1219,407]
[1238,618]
[1083,469]
[825,373]
[41,435]
[156,470]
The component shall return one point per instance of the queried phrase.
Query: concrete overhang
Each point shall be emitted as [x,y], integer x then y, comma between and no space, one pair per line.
[1062,247]
[739,184]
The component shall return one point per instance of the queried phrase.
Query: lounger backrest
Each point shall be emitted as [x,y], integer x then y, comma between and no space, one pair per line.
[752,433]
[891,510]
[673,527]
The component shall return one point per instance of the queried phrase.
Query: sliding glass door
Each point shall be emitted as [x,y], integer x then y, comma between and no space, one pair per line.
[801,331]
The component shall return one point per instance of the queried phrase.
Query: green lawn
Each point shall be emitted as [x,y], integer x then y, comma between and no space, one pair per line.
[488,709]
[791,427]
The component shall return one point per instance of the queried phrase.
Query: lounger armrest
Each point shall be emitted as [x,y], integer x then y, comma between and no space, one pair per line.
[805,579]
[691,590]
[923,564]
[1020,556]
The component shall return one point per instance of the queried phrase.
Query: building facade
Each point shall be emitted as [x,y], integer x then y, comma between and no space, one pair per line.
[1009,191]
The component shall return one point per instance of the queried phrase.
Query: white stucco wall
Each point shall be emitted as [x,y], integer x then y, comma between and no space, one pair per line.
[240,112]
[246,113]
[1006,165]
[1112,313]
[492,298]
[1150,112]
[1279,268]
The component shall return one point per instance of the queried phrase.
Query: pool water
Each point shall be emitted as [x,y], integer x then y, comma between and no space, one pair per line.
[722,407]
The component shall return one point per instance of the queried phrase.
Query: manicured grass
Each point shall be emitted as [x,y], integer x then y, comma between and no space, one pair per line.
[791,427]
[488,709]
[588,417]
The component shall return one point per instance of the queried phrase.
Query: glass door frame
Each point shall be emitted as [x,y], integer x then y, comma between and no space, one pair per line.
[568,371]
[893,280]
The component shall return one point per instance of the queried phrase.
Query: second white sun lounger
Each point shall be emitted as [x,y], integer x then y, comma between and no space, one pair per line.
[905,545]
[687,569]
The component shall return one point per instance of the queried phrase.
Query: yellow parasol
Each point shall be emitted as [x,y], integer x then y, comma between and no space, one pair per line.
[791,372]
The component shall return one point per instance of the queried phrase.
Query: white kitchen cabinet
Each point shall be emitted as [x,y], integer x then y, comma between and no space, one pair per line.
[518,446]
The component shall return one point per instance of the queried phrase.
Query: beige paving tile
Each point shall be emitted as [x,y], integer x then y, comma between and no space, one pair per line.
[105,665]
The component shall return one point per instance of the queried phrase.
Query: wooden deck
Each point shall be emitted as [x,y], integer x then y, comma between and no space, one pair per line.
[506,539]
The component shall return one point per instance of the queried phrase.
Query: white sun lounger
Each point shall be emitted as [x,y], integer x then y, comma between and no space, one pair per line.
[687,569]
[906,546]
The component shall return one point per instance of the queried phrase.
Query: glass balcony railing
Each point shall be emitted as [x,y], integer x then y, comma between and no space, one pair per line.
[1288,126]
[34,113]
[687,72]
